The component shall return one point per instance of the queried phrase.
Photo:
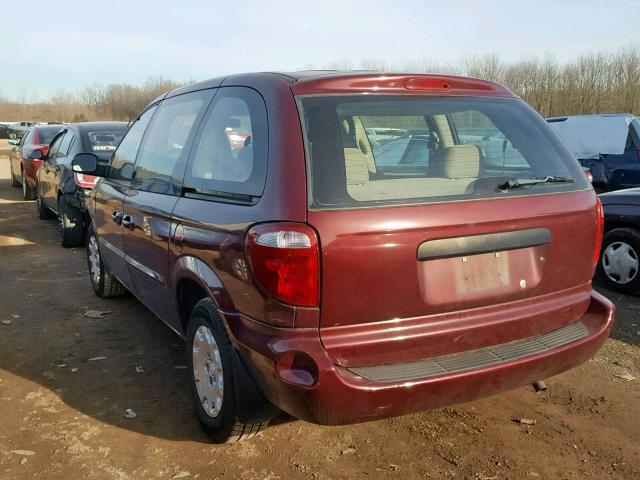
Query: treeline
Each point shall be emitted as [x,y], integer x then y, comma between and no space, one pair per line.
[592,83]
[96,102]
[597,82]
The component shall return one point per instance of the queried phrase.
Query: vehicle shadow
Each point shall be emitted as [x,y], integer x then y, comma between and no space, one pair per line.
[626,327]
[97,366]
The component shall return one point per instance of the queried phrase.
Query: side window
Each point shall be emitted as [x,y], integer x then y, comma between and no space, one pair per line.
[65,144]
[231,147]
[127,150]
[401,142]
[160,164]
[476,129]
[55,147]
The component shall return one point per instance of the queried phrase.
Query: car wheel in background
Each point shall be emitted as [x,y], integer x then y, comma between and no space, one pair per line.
[619,265]
[27,192]
[209,354]
[103,282]
[70,224]
[14,180]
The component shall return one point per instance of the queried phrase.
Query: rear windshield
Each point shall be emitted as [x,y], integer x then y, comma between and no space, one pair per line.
[103,142]
[373,150]
[46,134]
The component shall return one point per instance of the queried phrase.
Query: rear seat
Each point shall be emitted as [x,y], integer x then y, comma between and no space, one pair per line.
[451,172]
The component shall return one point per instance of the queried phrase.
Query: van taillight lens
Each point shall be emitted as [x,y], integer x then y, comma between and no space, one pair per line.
[599,231]
[285,260]
[85,181]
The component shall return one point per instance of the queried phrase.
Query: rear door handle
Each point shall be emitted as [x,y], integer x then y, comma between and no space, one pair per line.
[116,216]
[128,222]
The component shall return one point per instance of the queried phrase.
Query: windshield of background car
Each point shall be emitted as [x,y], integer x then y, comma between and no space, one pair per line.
[373,150]
[103,142]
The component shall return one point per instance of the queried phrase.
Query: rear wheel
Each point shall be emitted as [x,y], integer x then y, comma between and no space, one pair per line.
[103,282]
[619,264]
[27,192]
[70,224]
[212,378]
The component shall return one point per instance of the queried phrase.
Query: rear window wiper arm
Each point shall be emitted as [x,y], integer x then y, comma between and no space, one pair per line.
[520,182]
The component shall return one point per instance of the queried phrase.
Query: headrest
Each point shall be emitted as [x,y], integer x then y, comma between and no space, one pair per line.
[458,161]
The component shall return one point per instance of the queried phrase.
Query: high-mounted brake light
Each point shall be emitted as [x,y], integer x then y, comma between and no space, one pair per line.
[599,231]
[285,260]
[85,181]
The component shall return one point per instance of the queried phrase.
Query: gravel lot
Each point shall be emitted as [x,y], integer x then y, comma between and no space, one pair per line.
[66,381]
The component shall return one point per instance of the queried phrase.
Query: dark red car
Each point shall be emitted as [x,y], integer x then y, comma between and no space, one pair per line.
[341,274]
[23,165]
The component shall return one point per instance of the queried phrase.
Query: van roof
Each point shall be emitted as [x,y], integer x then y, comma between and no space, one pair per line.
[334,81]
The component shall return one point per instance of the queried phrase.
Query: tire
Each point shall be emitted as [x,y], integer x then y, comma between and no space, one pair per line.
[28,193]
[14,181]
[619,263]
[70,224]
[104,284]
[43,212]
[206,332]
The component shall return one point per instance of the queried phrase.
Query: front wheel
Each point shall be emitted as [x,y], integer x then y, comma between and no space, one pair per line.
[619,264]
[43,212]
[104,284]
[212,378]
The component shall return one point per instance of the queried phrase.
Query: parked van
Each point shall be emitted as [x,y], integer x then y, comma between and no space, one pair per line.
[350,246]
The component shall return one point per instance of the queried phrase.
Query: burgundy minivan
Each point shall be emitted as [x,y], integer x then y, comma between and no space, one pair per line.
[350,246]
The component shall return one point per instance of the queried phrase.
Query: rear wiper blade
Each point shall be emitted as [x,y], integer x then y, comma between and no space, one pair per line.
[521,182]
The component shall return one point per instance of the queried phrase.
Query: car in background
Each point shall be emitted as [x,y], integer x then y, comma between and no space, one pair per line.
[619,263]
[608,145]
[62,192]
[25,162]
[313,270]
[5,130]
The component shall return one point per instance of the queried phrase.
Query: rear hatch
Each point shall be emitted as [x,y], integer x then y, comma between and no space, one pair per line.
[445,224]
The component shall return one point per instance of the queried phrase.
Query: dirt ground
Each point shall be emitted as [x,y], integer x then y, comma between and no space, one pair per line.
[66,381]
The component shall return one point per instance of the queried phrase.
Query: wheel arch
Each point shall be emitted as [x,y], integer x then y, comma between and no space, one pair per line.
[195,280]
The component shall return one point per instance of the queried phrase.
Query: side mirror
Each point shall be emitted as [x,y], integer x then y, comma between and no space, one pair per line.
[13,141]
[36,155]
[86,163]
[127,171]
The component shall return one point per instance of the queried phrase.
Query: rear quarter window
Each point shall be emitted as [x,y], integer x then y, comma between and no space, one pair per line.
[229,155]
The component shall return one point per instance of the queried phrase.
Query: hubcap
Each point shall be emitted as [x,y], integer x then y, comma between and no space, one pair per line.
[94,260]
[620,262]
[24,185]
[207,371]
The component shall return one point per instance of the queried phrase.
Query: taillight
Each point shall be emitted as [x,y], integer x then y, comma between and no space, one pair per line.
[285,260]
[85,181]
[599,231]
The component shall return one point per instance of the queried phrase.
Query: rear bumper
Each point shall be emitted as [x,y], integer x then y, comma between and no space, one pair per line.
[341,396]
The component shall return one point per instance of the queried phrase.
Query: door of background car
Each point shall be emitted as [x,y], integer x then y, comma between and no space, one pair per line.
[109,194]
[154,191]
[15,156]
[46,175]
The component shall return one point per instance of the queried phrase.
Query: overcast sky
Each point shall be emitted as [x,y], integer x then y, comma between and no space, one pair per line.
[72,43]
